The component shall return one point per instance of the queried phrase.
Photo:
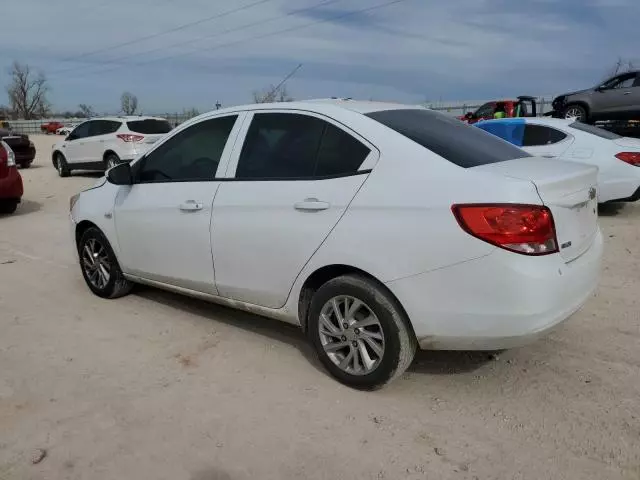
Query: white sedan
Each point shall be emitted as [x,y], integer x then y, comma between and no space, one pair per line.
[378,228]
[617,158]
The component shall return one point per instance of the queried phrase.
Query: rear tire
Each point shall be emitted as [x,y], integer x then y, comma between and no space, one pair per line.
[25,165]
[110,161]
[100,267]
[62,166]
[369,342]
[7,207]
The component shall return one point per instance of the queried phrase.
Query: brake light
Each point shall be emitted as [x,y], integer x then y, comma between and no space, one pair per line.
[129,137]
[7,156]
[525,229]
[632,158]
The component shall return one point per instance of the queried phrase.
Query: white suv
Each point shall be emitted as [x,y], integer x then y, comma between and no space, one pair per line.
[101,143]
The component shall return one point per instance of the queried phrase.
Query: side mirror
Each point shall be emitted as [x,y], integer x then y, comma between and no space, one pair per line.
[120,174]
[600,88]
[469,115]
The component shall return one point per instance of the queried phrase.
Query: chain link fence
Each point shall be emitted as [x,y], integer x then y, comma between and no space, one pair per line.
[31,127]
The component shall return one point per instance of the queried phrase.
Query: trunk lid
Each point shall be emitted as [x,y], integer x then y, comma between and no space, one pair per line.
[628,143]
[568,189]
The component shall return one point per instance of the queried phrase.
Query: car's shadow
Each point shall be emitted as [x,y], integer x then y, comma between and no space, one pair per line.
[87,174]
[425,362]
[610,209]
[25,207]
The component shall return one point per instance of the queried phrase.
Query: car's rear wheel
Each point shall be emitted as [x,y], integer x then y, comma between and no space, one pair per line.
[61,165]
[575,111]
[100,267]
[25,164]
[8,206]
[360,332]
[111,160]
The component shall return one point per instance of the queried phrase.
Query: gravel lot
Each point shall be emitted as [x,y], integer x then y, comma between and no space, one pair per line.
[156,386]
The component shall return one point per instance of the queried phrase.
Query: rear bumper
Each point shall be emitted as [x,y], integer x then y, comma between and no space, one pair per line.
[498,301]
[11,186]
[25,156]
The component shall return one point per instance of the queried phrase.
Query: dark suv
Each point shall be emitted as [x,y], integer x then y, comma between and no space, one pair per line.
[618,98]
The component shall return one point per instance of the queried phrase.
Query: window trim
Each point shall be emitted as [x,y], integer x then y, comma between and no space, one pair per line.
[227,152]
[365,167]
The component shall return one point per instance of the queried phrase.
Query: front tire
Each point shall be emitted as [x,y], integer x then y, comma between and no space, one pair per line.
[62,166]
[576,111]
[360,332]
[100,267]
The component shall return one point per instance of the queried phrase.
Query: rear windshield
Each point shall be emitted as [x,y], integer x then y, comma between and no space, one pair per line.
[457,142]
[149,126]
[597,131]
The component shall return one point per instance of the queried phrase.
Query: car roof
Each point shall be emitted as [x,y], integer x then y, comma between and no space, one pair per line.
[324,105]
[125,118]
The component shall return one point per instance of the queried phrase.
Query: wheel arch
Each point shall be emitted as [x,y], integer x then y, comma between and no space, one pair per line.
[580,103]
[328,272]
[82,227]
[53,156]
[107,153]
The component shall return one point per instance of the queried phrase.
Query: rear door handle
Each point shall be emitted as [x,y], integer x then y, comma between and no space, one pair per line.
[191,206]
[311,205]
[627,93]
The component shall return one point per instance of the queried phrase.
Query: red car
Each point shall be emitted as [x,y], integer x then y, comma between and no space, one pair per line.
[51,127]
[10,180]
[522,107]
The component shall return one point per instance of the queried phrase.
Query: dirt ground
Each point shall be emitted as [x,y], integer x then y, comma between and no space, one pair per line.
[156,386]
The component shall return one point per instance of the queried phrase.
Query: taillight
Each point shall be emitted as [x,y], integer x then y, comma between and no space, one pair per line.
[129,137]
[525,229]
[7,156]
[632,158]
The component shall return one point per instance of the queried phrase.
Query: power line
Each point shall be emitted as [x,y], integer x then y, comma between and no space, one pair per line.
[159,34]
[217,34]
[258,37]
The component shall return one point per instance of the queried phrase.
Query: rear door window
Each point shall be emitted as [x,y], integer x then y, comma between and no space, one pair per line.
[537,135]
[462,144]
[149,126]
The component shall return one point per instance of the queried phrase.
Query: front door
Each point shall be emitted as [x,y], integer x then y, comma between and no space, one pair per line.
[163,220]
[74,145]
[290,184]
[616,97]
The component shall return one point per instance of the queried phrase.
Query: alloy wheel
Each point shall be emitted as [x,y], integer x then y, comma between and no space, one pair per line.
[351,335]
[96,264]
[574,112]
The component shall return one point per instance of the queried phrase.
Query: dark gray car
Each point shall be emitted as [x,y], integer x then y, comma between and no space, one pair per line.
[618,98]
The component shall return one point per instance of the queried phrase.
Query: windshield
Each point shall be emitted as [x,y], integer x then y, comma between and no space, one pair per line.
[149,126]
[457,142]
[597,131]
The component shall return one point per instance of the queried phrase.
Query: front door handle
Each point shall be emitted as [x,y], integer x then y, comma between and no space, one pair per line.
[627,93]
[311,205]
[191,206]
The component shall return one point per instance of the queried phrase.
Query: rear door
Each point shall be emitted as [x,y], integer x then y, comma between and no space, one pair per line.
[288,186]
[100,133]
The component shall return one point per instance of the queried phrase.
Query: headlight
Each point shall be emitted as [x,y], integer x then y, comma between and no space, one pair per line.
[73,200]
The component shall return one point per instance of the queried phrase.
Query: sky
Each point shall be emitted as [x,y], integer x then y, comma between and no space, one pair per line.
[193,53]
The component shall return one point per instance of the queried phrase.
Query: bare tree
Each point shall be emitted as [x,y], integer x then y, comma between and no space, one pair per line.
[621,66]
[28,92]
[86,110]
[129,103]
[272,94]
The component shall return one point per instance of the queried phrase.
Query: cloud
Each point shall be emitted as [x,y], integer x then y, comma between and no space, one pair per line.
[412,51]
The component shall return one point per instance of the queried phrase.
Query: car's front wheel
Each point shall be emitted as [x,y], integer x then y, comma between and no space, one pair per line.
[575,111]
[61,165]
[100,267]
[360,333]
